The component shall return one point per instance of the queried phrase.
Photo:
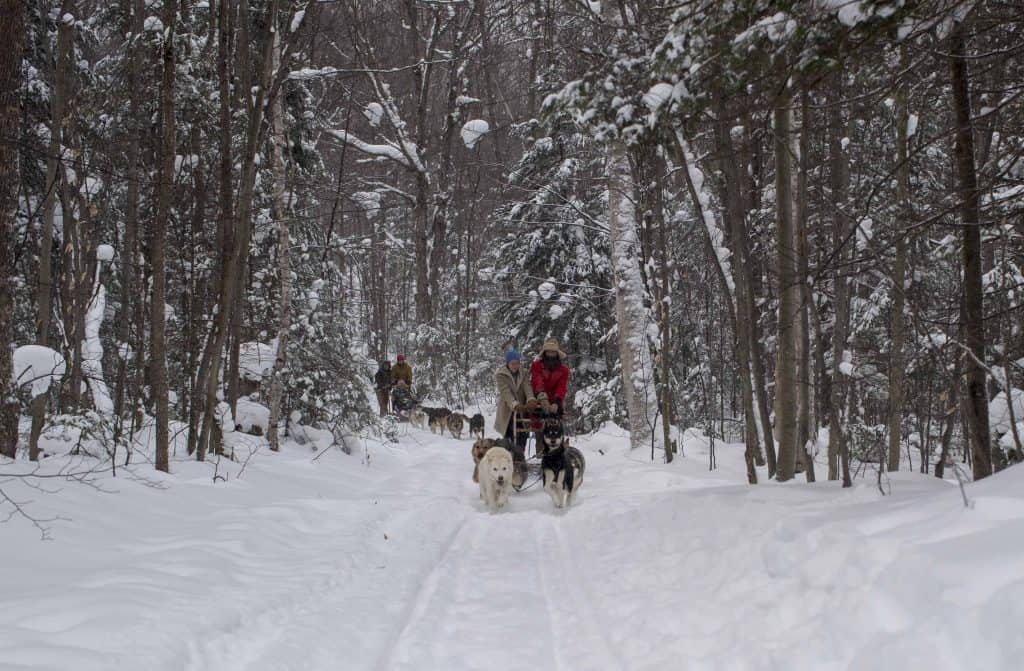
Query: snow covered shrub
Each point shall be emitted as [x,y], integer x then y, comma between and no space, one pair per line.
[87,433]
[388,428]
[597,403]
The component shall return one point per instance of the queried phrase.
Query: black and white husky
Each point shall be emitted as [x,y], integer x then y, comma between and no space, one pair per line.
[562,466]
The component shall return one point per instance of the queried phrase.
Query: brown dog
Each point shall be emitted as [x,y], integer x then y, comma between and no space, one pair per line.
[437,419]
[456,422]
[480,448]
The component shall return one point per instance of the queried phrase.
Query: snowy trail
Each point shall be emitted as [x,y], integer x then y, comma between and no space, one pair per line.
[392,564]
[494,591]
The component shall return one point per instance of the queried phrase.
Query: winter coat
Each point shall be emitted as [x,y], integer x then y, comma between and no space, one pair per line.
[401,371]
[549,385]
[512,390]
[382,379]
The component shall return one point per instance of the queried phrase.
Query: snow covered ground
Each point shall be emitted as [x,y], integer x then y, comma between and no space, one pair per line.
[385,559]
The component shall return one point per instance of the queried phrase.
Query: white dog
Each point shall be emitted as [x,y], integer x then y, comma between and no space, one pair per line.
[495,471]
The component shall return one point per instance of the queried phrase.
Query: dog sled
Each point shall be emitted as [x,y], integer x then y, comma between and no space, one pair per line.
[402,402]
[530,424]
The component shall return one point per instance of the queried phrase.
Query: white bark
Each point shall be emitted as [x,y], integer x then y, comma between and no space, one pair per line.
[632,318]
[92,349]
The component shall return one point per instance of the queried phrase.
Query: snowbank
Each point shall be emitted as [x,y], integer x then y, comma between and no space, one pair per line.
[256,360]
[251,416]
[37,366]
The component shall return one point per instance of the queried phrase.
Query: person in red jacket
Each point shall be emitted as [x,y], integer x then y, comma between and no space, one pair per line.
[549,377]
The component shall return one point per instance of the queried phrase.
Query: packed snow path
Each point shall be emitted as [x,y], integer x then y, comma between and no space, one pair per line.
[392,563]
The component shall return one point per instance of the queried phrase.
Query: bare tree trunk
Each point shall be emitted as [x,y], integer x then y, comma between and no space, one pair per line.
[751,200]
[445,192]
[282,213]
[488,68]
[735,213]
[974,314]
[209,367]
[242,221]
[897,374]
[73,279]
[44,293]
[165,178]
[840,177]
[243,228]
[786,392]
[426,291]
[130,247]
[806,432]
[12,24]
[649,183]
[664,310]
[420,212]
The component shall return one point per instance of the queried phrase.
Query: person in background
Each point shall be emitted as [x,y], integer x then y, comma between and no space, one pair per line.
[382,383]
[401,371]
[514,395]
[549,378]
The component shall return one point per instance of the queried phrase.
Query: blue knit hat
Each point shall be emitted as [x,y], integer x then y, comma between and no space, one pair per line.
[512,355]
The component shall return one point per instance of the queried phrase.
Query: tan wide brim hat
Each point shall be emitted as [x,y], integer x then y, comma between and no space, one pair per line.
[551,345]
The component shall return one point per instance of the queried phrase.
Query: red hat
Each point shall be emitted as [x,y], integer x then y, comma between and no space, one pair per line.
[401,357]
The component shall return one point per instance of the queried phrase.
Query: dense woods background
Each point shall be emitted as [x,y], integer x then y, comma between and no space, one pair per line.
[796,225]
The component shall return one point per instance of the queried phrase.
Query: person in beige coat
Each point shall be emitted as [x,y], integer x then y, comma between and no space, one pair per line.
[514,394]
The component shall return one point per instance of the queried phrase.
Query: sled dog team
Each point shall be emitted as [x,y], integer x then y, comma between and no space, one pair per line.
[527,396]
[440,419]
[499,469]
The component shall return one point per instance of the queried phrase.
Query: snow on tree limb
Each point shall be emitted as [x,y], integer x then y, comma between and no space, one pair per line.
[473,130]
[702,204]
[381,150]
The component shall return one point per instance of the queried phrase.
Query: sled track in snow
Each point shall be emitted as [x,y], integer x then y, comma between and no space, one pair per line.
[582,612]
[421,600]
[546,586]
[484,605]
